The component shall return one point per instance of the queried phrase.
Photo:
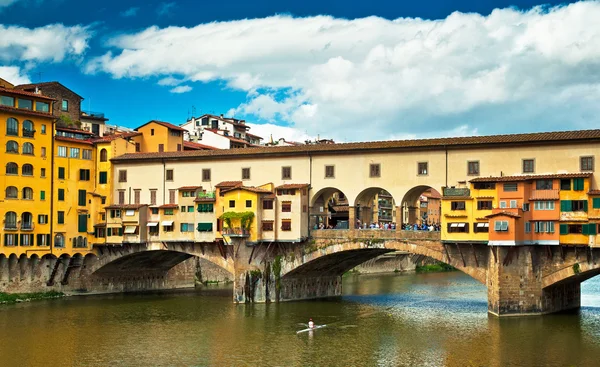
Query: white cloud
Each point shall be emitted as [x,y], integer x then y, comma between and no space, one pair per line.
[131,12]
[373,78]
[181,89]
[51,43]
[14,75]
[4,3]
[288,133]
[170,81]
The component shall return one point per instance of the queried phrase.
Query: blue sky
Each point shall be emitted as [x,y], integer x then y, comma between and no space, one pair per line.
[351,71]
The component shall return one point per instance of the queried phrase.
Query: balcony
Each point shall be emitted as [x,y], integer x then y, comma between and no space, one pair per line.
[28,133]
[27,226]
[235,232]
[458,192]
[10,226]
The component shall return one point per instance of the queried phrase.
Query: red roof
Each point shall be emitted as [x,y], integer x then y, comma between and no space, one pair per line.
[125,206]
[111,137]
[189,188]
[505,213]
[530,177]
[544,195]
[257,190]
[33,85]
[169,206]
[24,93]
[70,129]
[197,146]
[226,184]
[255,136]
[73,140]
[594,192]
[291,186]
[165,124]
[203,200]
[26,112]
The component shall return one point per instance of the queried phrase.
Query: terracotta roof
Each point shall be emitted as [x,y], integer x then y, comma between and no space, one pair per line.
[291,186]
[456,198]
[189,188]
[197,146]
[73,140]
[270,196]
[232,138]
[392,145]
[111,137]
[257,190]
[125,206]
[254,136]
[508,214]
[204,200]
[226,184]
[458,215]
[165,124]
[594,192]
[26,112]
[77,131]
[544,195]
[24,93]
[168,206]
[530,177]
[100,224]
[33,85]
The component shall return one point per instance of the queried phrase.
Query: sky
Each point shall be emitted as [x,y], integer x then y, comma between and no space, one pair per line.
[349,71]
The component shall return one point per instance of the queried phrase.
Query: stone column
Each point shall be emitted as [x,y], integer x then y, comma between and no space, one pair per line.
[413,214]
[352,217]
[399,218]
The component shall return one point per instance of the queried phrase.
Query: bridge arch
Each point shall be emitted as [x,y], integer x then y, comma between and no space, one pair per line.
[411,210]
[375,205]
[329,207]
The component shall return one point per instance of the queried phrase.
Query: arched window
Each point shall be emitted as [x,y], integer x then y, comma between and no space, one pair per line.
[80,241]
[28,148]
[74,239]
[59,240]
[27,170]
[28,129]
[27,193]
[10,220]
[84,242]
[12,168]
[12,192]
[103,155]
[12,146]
[12,126]
[26,220]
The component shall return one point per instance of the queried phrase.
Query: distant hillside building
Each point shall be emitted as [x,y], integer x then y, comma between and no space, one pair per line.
[220,132]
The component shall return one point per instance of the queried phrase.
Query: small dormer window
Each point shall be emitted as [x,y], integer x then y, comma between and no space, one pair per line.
[64,106]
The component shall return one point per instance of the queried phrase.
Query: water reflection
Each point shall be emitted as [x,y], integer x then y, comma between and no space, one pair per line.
[392,320]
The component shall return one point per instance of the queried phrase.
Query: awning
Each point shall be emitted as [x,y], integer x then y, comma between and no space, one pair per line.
[481,225]
[166,223]
[486,225]
[152,224]
[130,229]
[453,225]
[462,224]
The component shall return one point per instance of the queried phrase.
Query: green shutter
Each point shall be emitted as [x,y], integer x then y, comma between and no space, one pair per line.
[42,195]
[103,177]
[565,206]
[61,172]
[578,184]
[592,228]
[205,227]
[585,230]
[82,223]
[61,194]
[585,205]
[564,229]
[120,231]
[596,203]
[82,197]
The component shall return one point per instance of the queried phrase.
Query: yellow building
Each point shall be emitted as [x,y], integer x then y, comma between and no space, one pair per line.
[26,155]
[159,136]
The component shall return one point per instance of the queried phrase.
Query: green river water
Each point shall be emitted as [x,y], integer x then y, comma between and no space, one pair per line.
[385,320]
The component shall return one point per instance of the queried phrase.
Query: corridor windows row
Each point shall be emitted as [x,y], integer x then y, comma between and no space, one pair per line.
[12,127]
[26,239]
[12,192]
[77,153]
[268,225]
[27,148]
[26,170]
[25,223]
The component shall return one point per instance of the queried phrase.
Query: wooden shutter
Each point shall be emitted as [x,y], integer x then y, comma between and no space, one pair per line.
[564,228]
[81,198]
[82,222]
[171,196]
[565,206]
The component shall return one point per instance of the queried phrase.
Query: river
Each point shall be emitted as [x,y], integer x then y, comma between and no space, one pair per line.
[382,320]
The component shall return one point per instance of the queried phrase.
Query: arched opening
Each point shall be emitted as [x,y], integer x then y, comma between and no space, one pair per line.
[10,221]
[27,193]
[12,168]
[12,126]
[12,192]
[27,170]
[12,147]
[59,240]
[103,155]
[329,209]
[26,221]
[421,206]
[375,208]
[28,148]
[28,129]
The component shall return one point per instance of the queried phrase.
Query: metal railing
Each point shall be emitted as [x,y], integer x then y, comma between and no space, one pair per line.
[235,231]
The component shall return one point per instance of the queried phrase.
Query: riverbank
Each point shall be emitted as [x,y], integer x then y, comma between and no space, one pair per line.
[10,298]
[434,268]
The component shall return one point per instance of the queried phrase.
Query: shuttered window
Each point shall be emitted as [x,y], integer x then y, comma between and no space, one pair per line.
[205,227]
[205,208]
[596,203]
[81,201]
[578,184]
[82,223]
[61,194]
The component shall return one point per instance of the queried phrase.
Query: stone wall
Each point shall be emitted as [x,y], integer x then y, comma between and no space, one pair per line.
[388,264]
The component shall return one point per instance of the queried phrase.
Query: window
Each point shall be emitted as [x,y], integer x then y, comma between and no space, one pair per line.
[513,204]
[571,229]
[190,209]
[25,104]
[61,194]
[245,173]
[268,204]
[27,193]
[172,194]
[26,221]
[60,217]
[578,184]
[161,147]
[153,197]
[74,153]
[81,198]
[481,227]
[457,205]
[42,195]
[122,175]
[84,175]
[565,184]
[329,171]
[596,203]
[43,152]
[484,205]
[7,101]
[473,168]
[205,208]
[64,106]
[26,239]
[59,240]
[179,147]
[232,203]
[12,127]
[136,196]
[12,168]
[573,205]
[103,155]
[28,148]
[186,227]
[286,206]
[543,205]
[543,227]
[12,192]
[458,228]
[43,239]
[248,203]
[103,177]
[121,197]
[10,220]
[525,207]
[12,147]
[286,173]
[115,213]
[62,151]
[528,165]
[82,220]
[129,213]
[43,129]
[42,107]
[543,184]
[267,226]
[527,227]
[291,192]
[169,175]
[286,225]
[138,147]
[27,170]
[586,163]
[374,170]
[508,187]
[168,211]
[61,173]
[421,169]
[100,232]
[205,227]
[206,174]
[86,154]
[501,226]
[152,132]
[484,186]
[168,228]
[502,204]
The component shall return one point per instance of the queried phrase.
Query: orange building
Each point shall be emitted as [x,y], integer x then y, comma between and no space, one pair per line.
[159,136]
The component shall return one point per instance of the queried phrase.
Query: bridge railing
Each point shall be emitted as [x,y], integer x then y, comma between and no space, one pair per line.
[375,234]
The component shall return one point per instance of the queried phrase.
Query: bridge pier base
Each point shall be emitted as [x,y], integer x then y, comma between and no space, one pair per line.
[310,288]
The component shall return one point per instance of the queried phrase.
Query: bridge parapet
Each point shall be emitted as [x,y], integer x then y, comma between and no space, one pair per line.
[375,234]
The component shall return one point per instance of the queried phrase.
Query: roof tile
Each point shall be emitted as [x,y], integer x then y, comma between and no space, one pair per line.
[291,186]
[24,93]
[531,177]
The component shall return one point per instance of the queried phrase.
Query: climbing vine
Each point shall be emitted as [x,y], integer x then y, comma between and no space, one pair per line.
[245,218]
[576,268]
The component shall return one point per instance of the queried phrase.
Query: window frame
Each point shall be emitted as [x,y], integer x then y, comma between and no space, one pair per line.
[329,171]
[286,172]
[374,170]
[471,172]
[245,173]
[423,168]
[525,161]
[591,163]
